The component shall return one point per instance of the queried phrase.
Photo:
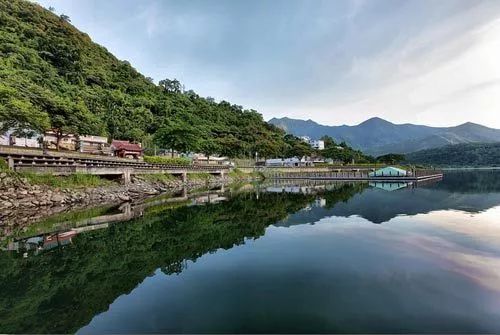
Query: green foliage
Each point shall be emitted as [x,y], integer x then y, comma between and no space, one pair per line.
[459,155]
[54,76]
[343,152]
[76,180]
[200,176]
[3,165]
[167,160]
[391,159]
[238,174]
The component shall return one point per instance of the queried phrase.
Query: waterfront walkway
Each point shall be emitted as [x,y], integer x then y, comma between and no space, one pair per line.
[66,163]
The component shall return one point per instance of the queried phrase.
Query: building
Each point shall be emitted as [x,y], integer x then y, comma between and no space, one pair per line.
[19,141]
[201,159]
[315,144]
[89,144]
[389,171]
[126,149]
[97,145]
[289,162]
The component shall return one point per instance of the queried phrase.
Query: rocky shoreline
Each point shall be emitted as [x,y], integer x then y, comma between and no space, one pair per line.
[22,203]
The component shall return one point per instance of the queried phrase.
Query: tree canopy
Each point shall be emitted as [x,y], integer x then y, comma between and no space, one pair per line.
[53,76]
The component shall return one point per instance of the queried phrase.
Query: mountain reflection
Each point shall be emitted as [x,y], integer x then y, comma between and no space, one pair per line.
[79,272]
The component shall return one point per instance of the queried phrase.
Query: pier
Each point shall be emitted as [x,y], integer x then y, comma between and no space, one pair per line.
[348,174]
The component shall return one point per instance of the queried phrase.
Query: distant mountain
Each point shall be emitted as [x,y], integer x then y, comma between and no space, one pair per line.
[377,136]
[459,155]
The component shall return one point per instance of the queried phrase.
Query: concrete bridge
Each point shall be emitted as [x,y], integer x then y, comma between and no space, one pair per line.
[67,163]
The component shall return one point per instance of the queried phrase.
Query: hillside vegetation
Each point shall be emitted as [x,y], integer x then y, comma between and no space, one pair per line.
[54,76]
[459,155]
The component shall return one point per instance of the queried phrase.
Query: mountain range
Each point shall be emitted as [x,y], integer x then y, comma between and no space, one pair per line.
[377,136]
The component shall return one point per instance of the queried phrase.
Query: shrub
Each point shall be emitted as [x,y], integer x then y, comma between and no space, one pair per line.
[167,160]
[3,164]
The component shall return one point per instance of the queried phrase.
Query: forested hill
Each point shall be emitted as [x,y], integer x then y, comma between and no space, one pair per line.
[459,155]
[54,76]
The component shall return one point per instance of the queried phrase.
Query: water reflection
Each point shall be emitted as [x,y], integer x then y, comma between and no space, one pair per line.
[273,258]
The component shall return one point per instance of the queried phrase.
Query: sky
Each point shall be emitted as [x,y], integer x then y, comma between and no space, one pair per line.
[433,62]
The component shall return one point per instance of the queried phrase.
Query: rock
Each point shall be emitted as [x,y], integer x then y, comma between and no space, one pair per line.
[5,204]
[57,198]
[3,175]
[123,197]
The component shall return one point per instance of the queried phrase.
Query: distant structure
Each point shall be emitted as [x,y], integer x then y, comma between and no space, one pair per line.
[126,149]
[9,138]
[90,144]
[211,160]
[315,144]
[289,162]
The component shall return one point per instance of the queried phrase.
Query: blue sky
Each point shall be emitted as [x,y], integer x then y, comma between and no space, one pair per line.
[337,62]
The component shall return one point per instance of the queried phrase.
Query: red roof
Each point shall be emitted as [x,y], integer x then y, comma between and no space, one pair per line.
[126,145]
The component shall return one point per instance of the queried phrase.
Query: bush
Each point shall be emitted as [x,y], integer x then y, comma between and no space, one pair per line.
[167,160]
[3,164]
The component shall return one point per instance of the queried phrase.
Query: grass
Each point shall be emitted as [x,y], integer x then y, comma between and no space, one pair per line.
[200,176]
[238,174]
[167,160]
[77,180]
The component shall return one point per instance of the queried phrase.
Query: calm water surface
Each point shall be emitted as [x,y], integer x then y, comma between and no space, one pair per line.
[345,258]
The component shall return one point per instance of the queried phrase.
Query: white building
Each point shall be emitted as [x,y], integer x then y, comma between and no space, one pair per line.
[289,162]
[30,142]
[315,144]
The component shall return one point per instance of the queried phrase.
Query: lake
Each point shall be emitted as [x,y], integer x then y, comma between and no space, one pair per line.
[288,258]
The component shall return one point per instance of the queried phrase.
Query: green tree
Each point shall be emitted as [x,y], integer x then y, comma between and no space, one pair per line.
[19,114]
[178,136]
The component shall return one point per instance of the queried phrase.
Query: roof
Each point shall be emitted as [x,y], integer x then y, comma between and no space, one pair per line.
[389,170]
[126,145]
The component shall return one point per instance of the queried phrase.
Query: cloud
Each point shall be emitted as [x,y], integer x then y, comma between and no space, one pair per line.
[422,61]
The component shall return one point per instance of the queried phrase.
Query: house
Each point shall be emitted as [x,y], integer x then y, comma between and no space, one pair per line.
[389,171]
[68,142]
[97,145]
[315,144]
[126,149]
[90,144]
[8,138]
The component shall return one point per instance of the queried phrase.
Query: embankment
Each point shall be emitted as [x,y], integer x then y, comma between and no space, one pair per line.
[22,201]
